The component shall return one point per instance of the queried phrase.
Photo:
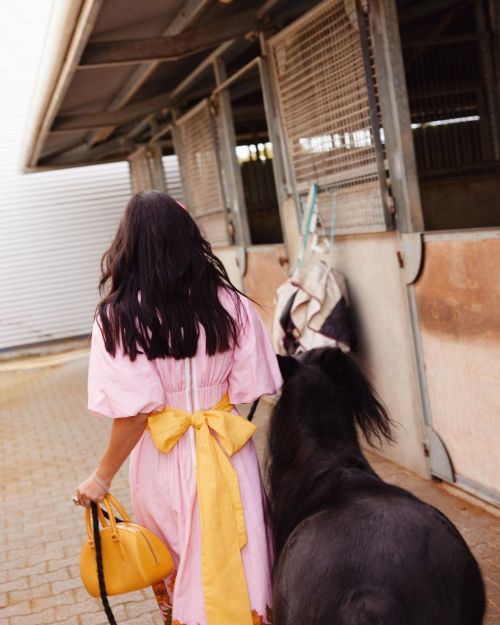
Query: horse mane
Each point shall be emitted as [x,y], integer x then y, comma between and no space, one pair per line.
[313,444]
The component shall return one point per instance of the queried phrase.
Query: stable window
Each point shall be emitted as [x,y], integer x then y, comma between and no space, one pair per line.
[450,55]
[197,146]
[255,157]
[324,77]
[259,187]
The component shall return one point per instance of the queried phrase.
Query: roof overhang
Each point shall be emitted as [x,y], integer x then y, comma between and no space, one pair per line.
[113,70]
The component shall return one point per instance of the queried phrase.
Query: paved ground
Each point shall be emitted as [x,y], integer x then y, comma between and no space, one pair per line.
[49,444]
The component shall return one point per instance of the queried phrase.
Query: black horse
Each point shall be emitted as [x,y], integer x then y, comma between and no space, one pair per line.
[351,549]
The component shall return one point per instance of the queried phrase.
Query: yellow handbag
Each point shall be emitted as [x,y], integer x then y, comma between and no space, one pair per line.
[130,556]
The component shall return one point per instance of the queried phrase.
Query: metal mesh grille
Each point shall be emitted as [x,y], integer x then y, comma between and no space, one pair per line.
[339,208]
[202,173]
[140,171]
[323,97]
[172,175]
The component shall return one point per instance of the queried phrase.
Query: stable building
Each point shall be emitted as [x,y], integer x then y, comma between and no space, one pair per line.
[389,106]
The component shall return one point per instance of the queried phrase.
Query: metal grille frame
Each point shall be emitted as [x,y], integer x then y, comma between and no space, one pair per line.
[140,172]
[201,172]
[173,179]
[325,81]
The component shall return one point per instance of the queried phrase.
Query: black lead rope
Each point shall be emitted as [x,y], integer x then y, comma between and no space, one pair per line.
[117,518]
[252,410]
[100,572]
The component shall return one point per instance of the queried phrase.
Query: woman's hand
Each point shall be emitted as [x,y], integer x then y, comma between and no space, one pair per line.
[89,490]
[125,433]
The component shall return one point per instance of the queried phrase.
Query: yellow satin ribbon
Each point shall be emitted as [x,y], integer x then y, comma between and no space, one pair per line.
[223,531]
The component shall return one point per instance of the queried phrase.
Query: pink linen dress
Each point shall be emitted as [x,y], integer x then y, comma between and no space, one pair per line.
[163,485]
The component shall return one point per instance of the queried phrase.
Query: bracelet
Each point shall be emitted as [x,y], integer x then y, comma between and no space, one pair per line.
[99,482]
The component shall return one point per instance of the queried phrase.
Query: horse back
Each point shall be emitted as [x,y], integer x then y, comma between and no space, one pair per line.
[377,556]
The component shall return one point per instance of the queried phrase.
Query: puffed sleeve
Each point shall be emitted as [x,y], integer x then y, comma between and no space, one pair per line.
[255,371]
[118,387]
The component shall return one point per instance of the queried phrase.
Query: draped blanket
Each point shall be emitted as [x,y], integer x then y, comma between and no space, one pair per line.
[312,311]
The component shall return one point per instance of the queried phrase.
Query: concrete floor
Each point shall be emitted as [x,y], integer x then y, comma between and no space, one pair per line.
[49,443]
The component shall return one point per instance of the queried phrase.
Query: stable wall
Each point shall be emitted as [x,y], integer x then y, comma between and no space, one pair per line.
[229,257]
[378,297]
[266,268]
[458,295]
[385,343]
[379,301]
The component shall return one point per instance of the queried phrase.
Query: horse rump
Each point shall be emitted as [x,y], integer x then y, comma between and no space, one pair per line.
[361,564]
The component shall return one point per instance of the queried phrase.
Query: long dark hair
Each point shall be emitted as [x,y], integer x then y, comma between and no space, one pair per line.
[163,283]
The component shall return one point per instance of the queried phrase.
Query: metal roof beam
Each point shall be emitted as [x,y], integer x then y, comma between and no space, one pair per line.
[204,66]
[86,154]
[109,53]
[189,13]
[70,123]
[267,7]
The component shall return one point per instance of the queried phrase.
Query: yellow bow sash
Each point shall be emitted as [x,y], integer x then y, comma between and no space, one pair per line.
[223,529]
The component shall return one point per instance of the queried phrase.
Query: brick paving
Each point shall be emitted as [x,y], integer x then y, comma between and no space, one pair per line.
[49,443]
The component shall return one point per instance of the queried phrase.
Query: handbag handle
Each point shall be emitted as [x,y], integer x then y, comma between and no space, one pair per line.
[98,553]
[113,501]
[108,501]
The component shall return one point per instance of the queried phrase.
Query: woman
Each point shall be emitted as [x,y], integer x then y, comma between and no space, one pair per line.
[173,332]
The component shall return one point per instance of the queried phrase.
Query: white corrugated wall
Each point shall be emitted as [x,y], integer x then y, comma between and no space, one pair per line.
[54,226]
